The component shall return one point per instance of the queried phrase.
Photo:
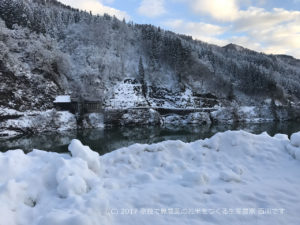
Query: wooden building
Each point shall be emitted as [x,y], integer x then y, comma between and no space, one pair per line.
[77,105]
[63,103]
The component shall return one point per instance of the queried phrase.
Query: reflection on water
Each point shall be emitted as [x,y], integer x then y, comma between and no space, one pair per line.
[109,139]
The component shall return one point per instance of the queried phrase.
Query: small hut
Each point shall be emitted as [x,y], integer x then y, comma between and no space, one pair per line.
[63,102]
[77,105]
[91,105]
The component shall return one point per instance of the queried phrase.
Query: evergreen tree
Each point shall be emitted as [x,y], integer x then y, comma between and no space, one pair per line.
[142,78]
[273,108]
[141,71]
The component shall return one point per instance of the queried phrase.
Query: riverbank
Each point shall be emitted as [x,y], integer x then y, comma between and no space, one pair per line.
[15,123]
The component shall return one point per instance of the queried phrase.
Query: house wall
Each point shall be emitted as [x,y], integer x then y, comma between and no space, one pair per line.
[63,106]
[79,107]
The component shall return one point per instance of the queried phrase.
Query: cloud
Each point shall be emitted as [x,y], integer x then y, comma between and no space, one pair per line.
[96,7]
[274,31]
[201,31]
[151,8]
[224,10]
[258,18]
[108,1]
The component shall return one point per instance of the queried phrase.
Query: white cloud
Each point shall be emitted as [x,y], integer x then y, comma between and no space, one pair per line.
[258,18]
[201,31]
[274,31]
[108,1]
[96,7]
[225,10]
[152,8]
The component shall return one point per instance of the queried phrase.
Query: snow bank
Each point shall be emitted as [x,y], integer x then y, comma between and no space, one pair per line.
[85,153]
[49,120]
[248,114]
[294,147]
[231,178]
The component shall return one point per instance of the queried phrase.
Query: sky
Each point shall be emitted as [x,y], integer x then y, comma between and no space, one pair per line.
[270,26]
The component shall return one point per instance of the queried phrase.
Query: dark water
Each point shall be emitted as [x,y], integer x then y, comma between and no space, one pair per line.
[109,139]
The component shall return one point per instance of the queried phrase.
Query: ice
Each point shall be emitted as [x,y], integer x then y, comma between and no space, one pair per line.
[233,171]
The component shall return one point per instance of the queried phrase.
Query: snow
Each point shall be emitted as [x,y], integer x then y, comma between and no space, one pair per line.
[232,178]
[9,133]
[295,139]
[294,147]
[49,120]
[126,95]
[93,120]
[85,153]
[201,118]
[247,114]
[62,99]
[9,112]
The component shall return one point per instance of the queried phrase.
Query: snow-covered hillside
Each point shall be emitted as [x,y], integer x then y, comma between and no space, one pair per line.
[231,178]
[48,49]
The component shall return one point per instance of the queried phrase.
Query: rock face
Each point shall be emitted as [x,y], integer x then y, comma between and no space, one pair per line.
[36,122]
[93,120]
[125,117]
[197,118]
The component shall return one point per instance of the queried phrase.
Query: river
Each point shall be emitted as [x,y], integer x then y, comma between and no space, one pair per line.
[109,139]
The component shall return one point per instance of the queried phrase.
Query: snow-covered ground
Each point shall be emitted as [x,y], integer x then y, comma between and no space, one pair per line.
[126,95]
[232,178]
[36,122]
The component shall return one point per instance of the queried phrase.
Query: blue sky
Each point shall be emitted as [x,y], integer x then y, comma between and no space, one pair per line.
[262,25]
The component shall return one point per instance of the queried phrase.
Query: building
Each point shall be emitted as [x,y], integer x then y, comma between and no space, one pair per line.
[63,103]
[77,105]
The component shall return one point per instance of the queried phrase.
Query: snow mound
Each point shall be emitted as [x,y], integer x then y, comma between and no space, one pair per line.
[85,153]
[232,178]
[295,139]
[294,147]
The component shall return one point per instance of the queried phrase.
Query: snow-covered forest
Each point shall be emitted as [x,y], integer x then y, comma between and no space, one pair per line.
[49,49]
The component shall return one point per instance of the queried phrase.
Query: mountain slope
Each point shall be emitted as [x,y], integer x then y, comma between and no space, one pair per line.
[48,49]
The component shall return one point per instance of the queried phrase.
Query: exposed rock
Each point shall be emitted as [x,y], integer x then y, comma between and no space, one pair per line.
[93,120]
[201,118]
[223,114]
[50,120]
[140,116]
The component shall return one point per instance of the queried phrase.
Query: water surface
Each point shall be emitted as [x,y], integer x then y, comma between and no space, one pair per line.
[109,139]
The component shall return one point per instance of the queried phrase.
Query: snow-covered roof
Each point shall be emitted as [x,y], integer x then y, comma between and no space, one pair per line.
[62,99]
